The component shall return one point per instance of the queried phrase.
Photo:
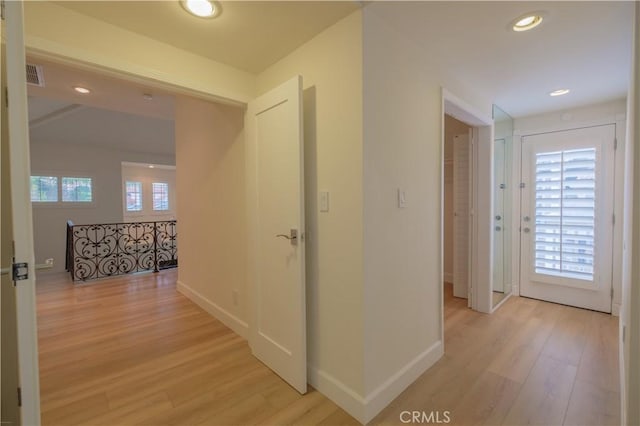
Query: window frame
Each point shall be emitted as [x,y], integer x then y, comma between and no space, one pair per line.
[42,202]
[139,172]
[168,197]
[128,212]
[61,185]
[66,204]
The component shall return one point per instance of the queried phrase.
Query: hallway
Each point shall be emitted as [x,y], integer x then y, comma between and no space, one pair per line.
[531,362]
[131,350]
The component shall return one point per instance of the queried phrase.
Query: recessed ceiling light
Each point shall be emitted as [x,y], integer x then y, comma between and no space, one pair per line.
[527,22]
[151,166]
[202,8]
[559,92]
[82,90]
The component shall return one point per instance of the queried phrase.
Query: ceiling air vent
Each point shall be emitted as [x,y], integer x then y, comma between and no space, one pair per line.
[34,75]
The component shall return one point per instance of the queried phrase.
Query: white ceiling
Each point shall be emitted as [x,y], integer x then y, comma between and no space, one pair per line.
[42,108]
[581,45]
[248,35]
[115,114]
[98,127]
[106,92]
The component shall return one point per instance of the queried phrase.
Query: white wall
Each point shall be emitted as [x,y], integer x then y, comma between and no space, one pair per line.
[614,112]
[100,163]
[147,176]
[211,202]
[331,68]
[402,149]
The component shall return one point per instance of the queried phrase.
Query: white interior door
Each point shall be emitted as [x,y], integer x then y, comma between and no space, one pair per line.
[275,164]
[21,226]
[461,214]
[9,410]
[567,212]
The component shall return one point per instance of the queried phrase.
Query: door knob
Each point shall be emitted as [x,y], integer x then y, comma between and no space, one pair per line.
[498,228]
[292,237]
[498,217]
[526,218]
[526,230]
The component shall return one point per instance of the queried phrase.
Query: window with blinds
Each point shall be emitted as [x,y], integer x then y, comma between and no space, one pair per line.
[565,183]
[133,196]
[160,192]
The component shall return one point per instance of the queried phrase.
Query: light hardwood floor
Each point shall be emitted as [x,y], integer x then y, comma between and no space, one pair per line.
[134,351]
[531,362]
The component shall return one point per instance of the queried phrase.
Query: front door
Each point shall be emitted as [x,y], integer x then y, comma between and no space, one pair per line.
[567,217]
[277,333]
[19,222]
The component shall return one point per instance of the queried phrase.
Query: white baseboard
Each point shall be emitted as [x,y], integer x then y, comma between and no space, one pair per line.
[362,409]
[502,302]
[234,323]
[448,277]
[345,397]
[615,309]
[377,400]
[365,409]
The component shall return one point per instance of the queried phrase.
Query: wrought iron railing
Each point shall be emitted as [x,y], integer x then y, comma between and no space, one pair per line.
[104,250]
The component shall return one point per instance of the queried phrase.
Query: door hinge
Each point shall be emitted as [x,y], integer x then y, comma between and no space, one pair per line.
[2,10]
[613,218]
[19,271]
[615,144]
[6,97]
[521,185]
[612,292]
[19,397]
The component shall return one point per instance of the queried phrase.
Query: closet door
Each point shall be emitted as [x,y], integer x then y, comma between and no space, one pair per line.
[462,217]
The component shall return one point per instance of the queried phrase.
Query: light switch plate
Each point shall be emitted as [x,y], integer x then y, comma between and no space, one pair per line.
[402,198]
[324,201]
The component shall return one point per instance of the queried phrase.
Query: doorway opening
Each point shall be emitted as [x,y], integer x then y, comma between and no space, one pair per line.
[457,184]
[83,148]
[477,266]
[96,167]
[216,161]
